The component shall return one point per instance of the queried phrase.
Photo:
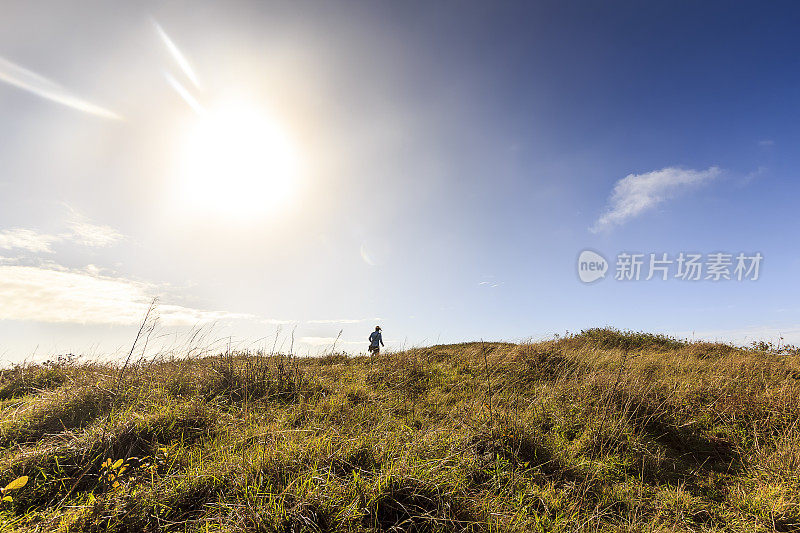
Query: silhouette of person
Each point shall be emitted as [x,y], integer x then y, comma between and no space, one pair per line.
[375,341]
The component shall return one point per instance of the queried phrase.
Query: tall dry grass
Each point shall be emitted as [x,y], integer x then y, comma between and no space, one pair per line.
[599,431]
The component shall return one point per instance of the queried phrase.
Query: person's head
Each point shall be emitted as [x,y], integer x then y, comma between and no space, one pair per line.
[377,328]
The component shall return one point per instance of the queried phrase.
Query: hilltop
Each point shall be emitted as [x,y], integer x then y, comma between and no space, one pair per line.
[599,431]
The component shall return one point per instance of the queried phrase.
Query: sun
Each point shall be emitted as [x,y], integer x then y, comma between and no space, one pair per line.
[236,162]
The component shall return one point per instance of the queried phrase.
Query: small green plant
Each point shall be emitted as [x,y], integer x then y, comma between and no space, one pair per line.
[14,485]
[155,462]
[111,473]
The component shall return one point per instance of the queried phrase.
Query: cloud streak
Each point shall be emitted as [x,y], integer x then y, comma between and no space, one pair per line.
[34,83]
[81,231]
[26,239]
[636,193]
[60,295]
[86,233]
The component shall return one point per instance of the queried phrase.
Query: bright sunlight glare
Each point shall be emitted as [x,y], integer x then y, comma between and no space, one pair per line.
[236,162]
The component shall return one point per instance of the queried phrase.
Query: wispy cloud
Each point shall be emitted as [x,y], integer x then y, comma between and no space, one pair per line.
[57,294]
[43,291]
[27,239]
[636,193]
[751,176]
[80,231]
[489,281]
[766,142]
[34,83]
[86,233]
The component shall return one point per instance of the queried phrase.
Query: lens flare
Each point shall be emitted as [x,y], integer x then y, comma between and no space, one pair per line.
[34,83]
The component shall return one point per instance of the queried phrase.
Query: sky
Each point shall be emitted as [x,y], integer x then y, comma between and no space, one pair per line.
[280,174]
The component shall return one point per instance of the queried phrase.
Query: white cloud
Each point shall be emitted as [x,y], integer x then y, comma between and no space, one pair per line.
[766,142]
[757,173]
[26,239]
[636,193]
[84,232]
[57,294]
[81,231]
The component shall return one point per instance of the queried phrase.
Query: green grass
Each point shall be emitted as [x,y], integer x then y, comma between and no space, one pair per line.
[604,430]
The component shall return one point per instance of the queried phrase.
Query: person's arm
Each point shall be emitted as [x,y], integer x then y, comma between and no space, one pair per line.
[380,337]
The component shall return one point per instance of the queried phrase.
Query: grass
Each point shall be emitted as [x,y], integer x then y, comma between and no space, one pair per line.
[604,430]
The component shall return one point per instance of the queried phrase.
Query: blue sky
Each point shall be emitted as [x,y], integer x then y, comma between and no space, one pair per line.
[436,169]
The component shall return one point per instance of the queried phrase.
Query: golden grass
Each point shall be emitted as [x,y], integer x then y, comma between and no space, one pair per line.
[600,431]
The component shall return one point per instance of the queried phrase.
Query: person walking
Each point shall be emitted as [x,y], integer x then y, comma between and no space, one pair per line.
[375,341]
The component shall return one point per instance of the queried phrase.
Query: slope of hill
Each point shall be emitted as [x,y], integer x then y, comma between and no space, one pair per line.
[599,431]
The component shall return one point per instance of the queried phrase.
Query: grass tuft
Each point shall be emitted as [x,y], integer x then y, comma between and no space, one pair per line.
[605,430]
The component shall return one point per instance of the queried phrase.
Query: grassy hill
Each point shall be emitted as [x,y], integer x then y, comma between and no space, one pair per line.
[600,431]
